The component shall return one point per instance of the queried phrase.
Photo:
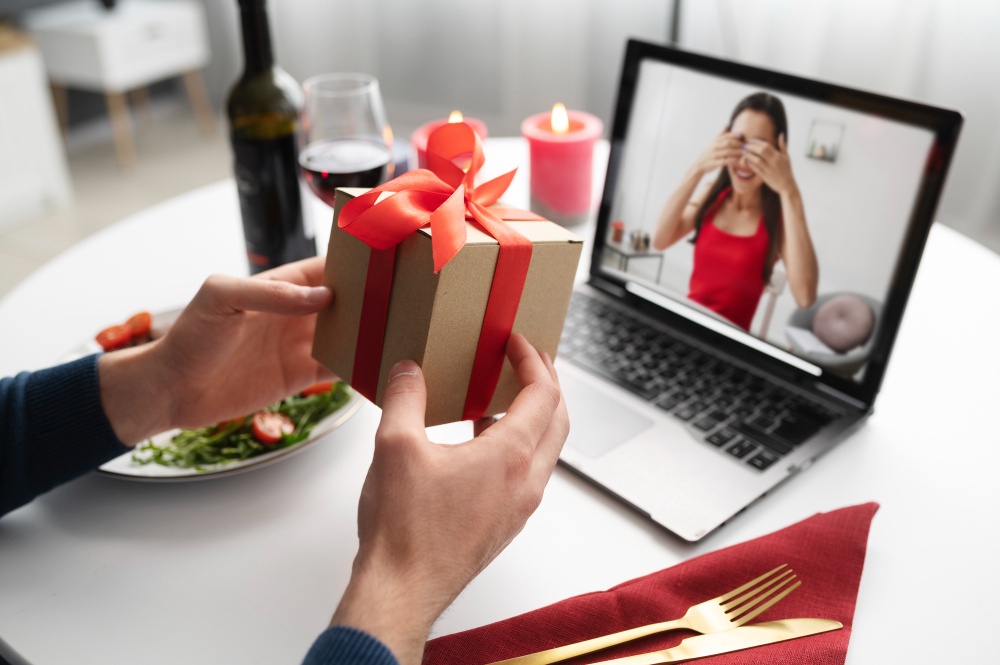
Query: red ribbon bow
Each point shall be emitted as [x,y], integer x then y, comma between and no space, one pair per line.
[442,197]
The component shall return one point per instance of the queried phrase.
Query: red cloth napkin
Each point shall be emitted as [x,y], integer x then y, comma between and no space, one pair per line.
[826,551]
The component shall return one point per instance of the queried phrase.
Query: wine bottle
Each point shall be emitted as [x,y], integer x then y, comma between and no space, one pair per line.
[263,109]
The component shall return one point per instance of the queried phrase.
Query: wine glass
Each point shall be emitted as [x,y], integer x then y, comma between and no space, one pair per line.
[345,139]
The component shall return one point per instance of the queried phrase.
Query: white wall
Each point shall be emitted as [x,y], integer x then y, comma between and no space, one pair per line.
[857,208]
[499,61]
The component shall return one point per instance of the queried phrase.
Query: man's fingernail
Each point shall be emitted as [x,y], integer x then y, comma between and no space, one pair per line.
[404,368]
[317,294]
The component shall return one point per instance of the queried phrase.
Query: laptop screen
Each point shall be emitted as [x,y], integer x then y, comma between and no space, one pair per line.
[774,219]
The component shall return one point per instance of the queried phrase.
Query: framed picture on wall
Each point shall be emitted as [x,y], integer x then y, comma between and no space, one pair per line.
[824,140]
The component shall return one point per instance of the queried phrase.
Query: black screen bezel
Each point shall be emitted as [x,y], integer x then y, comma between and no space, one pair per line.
[945,124]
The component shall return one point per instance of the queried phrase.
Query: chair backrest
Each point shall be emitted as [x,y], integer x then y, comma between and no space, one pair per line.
[778,281]
[775,287]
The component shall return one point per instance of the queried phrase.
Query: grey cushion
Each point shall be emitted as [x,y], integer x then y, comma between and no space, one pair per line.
[844,322]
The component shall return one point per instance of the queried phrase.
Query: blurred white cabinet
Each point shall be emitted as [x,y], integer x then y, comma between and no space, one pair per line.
[137,43]
[33,173]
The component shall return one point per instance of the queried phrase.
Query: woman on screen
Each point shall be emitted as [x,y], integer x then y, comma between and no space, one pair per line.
[751,216]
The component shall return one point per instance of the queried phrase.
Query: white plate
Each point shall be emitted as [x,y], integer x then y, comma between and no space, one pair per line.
[123,467]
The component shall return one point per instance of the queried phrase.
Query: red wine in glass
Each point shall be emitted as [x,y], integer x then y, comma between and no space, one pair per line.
[328,165]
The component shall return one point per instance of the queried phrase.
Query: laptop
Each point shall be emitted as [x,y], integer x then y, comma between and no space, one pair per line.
[756,244]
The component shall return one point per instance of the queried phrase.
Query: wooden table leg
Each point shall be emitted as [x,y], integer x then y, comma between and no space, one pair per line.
[200,102]
[60,97]
[121,125]
[140,102]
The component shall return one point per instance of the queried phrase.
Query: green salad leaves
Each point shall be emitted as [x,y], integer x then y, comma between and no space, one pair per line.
[202,449]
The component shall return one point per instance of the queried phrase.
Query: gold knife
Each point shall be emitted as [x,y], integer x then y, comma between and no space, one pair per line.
[736,639]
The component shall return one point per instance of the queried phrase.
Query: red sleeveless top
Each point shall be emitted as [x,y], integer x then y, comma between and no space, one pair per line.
[728,269]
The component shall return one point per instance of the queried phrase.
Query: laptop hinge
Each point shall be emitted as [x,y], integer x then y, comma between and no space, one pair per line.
[606,286]
[843,397]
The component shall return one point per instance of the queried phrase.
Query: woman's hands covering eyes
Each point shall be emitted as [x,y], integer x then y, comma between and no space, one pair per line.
[771,164]
[725,148]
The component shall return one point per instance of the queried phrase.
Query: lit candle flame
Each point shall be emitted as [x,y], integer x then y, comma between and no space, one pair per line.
[456,116]
[560,119]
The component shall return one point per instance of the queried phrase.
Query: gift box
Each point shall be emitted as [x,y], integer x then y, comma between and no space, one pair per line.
[426,268]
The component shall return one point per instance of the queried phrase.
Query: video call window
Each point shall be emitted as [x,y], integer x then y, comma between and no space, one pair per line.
[777,215]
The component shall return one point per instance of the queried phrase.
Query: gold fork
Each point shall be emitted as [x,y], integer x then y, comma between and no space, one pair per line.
[712,616]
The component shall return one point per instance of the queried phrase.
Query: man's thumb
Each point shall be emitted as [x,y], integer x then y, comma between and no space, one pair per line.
[405,399]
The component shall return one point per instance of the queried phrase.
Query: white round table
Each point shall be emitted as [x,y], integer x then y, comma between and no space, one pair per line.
[248,569]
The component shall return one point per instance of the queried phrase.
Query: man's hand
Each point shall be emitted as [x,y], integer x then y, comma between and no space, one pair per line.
[432,517]
[240,345]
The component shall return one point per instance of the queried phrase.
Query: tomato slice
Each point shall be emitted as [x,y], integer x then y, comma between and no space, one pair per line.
[268,426]
[140,324]
[114,337]
[226,423]
[318,389]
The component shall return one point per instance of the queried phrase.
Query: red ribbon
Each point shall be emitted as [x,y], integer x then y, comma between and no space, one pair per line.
[443,196]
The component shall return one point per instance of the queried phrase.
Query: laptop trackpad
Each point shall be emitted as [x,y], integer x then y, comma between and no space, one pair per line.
[597,422]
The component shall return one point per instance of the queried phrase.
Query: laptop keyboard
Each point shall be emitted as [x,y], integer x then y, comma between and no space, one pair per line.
[742,414]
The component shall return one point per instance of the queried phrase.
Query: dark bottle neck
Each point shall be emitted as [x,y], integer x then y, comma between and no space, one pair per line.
[257,54]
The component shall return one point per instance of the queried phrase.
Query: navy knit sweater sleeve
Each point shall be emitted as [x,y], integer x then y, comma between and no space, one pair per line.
[52,429]
[341,645]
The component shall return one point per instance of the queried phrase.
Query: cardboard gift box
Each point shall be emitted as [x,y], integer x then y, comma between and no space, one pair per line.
[436,318]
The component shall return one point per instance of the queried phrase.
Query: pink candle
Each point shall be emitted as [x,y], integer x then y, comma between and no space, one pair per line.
[562,156]
[419,137]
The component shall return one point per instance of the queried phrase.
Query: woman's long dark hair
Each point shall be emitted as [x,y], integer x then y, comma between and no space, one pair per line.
[775,110]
